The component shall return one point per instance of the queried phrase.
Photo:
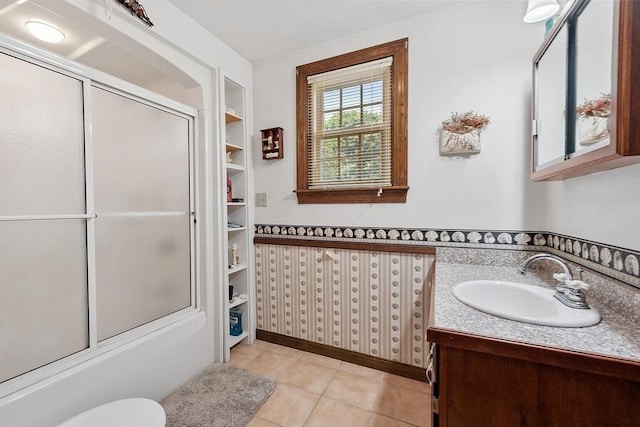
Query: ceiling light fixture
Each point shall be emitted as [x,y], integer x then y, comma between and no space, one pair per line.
[539,10]
[44,31]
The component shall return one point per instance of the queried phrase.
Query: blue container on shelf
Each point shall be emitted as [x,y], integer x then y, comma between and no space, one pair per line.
[235,322]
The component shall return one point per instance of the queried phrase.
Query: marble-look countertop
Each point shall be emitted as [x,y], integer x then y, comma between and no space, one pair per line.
[616,335]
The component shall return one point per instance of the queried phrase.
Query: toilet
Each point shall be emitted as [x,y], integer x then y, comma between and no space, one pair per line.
[136,412]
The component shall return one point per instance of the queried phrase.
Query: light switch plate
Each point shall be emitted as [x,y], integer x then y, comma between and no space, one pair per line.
[261,200]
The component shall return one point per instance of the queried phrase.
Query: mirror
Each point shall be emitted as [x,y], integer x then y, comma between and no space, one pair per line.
[594,53]
[550,104]
[573,85]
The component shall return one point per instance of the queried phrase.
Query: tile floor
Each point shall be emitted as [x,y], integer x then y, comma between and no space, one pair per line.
[318,391]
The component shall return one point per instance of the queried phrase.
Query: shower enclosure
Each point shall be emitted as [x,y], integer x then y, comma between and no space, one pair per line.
[96,215]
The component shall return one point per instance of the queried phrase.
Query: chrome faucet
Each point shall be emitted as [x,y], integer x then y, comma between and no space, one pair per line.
[568,291]
[538,257]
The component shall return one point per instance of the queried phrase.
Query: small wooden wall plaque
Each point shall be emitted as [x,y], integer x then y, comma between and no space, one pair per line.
[272,143]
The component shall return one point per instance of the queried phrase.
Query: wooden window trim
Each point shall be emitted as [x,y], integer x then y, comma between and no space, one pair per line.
[397,192]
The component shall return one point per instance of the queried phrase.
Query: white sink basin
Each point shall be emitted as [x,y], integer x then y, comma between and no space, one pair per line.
[524,303]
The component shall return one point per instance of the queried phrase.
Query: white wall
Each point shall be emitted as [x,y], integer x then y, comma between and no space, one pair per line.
[476,55]
[603,207]
[471,56]
[161,361]
[172,30]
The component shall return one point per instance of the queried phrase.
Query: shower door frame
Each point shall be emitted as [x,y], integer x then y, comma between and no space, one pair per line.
[90,77]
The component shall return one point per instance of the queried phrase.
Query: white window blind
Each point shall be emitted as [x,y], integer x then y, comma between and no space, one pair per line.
[349,138]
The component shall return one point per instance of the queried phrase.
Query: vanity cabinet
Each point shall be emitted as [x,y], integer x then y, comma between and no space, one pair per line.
[490,371]
[586,99]
[484,382]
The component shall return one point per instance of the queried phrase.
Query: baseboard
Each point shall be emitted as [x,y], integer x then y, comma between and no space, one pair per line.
[396,368]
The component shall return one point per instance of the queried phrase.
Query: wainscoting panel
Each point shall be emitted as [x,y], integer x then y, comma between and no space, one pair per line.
[370,302]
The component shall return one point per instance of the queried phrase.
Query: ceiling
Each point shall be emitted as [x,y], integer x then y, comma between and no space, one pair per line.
[262,29]
[256,29]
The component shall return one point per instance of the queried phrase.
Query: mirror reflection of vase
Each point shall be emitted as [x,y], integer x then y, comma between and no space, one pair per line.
[593,129]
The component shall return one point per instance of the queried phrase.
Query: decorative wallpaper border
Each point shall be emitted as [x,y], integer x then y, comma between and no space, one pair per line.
[619,263]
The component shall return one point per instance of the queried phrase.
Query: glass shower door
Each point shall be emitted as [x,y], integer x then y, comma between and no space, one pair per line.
[142,201]
[44,314]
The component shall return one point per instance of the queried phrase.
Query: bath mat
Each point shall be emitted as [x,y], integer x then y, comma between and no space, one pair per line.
[220,396]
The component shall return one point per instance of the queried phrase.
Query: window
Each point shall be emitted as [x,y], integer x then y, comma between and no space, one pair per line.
[352,127]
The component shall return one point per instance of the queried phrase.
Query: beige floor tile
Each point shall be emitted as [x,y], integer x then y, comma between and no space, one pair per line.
[329,412]
[270,364]
[242,354]
[321,360]
[378,420]
[404,404]
[354,390]
[285,351]
[308,376]
[259,422]
[407,382]
[239,361]
[288,406]
[246,350]
[262,345]
[362,370]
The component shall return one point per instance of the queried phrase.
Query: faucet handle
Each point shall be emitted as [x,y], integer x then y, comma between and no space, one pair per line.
[561,277]
[576,285]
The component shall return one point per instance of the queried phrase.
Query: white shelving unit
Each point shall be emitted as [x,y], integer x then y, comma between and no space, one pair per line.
[236,158]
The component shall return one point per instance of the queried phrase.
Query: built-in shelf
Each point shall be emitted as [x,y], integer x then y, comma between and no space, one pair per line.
[237,268]
[233,147]
[230,117]
[233,340]
[236,302]
[235,162]
[233,166]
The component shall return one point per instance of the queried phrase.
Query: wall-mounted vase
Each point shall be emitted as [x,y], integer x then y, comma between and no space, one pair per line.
[452,143]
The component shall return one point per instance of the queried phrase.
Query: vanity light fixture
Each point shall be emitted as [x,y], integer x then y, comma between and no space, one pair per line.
[44,31]
[539,10]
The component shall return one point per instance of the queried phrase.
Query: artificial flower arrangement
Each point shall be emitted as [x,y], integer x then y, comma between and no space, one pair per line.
[593,121]
[136,9]
[599,107]
[460,133]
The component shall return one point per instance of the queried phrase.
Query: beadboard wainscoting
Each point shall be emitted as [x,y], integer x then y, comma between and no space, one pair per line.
[365,298]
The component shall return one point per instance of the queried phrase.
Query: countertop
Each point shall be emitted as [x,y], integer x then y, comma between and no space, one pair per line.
[617,335]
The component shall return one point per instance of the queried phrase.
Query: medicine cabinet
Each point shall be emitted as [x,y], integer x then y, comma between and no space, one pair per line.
[586,92]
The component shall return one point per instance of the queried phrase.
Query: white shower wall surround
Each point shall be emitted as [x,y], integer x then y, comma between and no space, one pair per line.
[369,302]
